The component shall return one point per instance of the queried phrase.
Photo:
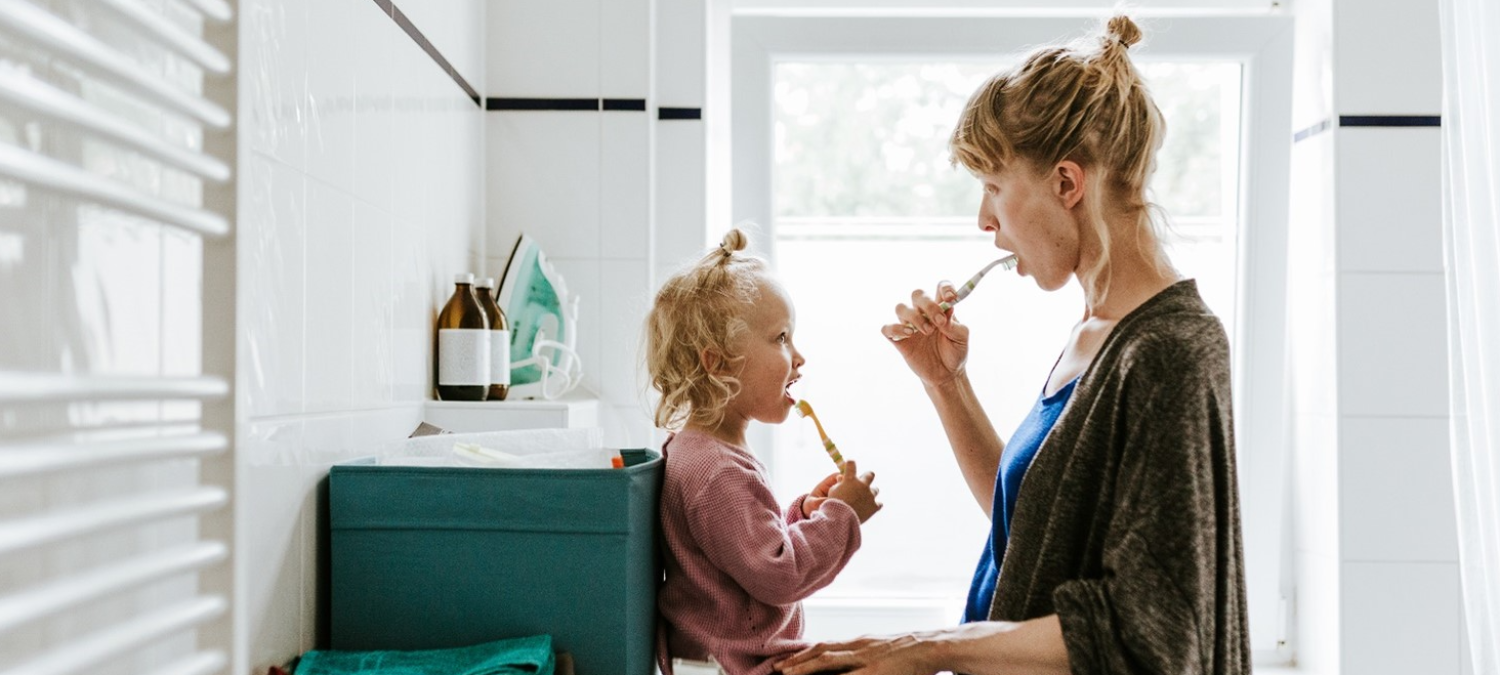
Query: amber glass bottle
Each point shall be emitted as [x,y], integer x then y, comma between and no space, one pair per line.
[462,352]
[499,338]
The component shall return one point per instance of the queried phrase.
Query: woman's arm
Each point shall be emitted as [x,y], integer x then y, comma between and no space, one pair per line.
[975,444]
[935,346]
[981,648]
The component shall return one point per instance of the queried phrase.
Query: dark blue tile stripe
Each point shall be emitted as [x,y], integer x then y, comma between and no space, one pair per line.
[541,104]
[411,31]
[679,113]
[633,104]
[1390,121]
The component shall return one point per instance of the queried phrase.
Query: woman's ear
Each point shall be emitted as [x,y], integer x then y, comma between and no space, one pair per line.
[1068,182]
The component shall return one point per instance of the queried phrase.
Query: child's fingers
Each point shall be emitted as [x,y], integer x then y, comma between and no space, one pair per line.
[867,477]
[849,470]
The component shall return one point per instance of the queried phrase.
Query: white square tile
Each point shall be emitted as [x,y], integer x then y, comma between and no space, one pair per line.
[182,309]
[627,426]
[681,210]
[1396,490]
[1393,357]
[455,28]
[1400,618]
[1389,187]
[625,49]
[625,298]
[273,72]
[374,91]
[1387,62]
[330,313]
[1310,235]
[625,186]
[543,179]
[116,278]
[274,535]
[33,282]
[1312,348]
[331,62]
[681,53]
[413,311]
[372,294]
[583,279]
[543,49]
[271,289]
[408,147]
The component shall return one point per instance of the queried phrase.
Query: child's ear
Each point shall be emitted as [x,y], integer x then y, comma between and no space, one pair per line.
[711,359]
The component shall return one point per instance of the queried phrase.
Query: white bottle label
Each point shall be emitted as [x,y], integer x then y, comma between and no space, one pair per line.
[500,357]
[464,356]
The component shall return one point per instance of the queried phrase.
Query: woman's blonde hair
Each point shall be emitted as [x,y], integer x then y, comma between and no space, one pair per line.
[1086,103]
[701,307]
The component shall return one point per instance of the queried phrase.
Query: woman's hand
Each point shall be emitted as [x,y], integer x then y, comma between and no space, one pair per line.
[895,655]
[934,344]
[819,494]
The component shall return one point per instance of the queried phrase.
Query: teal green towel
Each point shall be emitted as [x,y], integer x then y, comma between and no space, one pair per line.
[519,656]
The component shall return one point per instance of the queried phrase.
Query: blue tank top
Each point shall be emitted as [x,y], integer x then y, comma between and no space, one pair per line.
[1013,464]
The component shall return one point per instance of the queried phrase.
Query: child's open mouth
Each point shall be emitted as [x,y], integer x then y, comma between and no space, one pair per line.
[788,391]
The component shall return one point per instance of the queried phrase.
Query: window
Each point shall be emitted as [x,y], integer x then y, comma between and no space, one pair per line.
[848,175]
[862,184]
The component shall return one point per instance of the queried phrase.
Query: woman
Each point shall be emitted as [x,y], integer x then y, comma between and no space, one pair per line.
[1122,553]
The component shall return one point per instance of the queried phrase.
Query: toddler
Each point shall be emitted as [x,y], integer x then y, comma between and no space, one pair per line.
[719,350]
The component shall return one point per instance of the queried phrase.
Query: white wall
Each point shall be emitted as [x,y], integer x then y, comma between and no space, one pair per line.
[361,172]
[1375,547]
[615,198]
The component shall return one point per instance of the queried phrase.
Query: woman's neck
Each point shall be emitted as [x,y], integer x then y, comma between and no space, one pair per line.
[1133,277]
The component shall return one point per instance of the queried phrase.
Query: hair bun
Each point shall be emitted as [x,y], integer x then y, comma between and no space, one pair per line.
[1124,31]
[734,240]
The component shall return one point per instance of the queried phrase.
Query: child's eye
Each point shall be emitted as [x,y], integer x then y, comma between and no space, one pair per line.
[781,338]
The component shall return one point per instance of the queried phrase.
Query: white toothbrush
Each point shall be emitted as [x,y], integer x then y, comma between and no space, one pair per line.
[1007,263]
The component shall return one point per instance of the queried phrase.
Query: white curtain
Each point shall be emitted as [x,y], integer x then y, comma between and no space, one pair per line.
[1471,239]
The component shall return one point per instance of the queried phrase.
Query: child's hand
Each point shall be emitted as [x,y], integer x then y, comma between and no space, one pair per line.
[857,492]
[819,494]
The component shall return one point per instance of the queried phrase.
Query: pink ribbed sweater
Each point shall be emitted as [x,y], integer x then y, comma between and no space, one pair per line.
[736,566]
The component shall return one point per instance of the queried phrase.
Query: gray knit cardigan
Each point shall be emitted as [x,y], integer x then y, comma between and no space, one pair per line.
[1127,524]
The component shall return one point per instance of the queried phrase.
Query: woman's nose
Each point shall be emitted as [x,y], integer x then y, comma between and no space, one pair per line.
[987,222]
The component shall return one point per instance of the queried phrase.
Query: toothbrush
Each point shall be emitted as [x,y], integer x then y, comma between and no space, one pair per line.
[1007,263]
[804,409]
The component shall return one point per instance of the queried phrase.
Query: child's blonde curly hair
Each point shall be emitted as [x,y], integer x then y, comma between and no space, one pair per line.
[701,308]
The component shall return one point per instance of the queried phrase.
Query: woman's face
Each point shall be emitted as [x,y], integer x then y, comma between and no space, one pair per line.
[1026,215]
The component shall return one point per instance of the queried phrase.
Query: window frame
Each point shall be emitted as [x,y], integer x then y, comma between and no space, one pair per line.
[1261,43]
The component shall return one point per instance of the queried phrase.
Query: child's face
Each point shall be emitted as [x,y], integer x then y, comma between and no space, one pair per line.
[770,363]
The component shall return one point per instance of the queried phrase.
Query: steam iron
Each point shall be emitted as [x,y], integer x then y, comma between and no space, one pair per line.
[543,325]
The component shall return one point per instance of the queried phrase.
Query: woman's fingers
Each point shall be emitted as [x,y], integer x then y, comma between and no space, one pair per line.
[820,657]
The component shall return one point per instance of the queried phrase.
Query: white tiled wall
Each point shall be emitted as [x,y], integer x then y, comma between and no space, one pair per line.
[613,197]
[362,167]
[1376,554]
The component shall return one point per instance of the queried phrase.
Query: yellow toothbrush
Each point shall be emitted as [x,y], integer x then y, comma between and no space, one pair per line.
[804,409]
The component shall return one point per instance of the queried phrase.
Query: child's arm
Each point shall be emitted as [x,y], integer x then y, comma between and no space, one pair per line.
[735,520]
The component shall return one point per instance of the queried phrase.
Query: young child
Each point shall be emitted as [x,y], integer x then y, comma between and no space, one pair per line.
[719,349]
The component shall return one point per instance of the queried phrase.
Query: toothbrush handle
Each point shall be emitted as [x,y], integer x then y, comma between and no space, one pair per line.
[834,453]
[962,292]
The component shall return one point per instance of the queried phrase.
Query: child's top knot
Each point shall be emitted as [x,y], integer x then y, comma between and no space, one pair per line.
[734,240]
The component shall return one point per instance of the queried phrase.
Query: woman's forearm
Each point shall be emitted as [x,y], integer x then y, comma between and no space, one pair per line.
[975,444]
[1032,647]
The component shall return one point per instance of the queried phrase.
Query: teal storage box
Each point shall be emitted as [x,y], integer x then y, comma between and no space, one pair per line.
[437,557]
